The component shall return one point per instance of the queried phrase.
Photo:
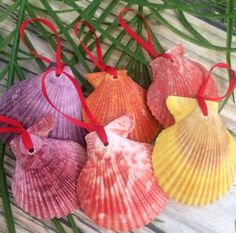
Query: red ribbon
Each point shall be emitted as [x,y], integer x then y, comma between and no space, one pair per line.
[94,126]
[59,64]
[99,61]
[17,128]
[201,99]
[148,46]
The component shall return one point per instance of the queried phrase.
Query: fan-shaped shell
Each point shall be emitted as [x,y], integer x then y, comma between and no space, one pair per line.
[194,160]
[44,182]
[113,98]
[116,188]
[26,103]
[181,77]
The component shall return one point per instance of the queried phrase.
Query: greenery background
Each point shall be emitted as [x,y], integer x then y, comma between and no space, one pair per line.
[128,54]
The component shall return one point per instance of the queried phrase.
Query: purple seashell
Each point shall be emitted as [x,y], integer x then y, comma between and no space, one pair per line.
[44,181]
[25,102]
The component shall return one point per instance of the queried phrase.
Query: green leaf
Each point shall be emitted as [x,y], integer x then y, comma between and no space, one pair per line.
[73,224]
[16,42]
[230,26]
[4,193]
[9,10]
[7,40]
[58,225]
[65,33]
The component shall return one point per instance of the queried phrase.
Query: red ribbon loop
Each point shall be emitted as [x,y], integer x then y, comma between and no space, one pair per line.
[94,126]
[99,61]
[200,96]
[17,128]
[148,46]
[59,63]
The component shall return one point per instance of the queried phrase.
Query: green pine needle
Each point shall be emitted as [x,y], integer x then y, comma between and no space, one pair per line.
[4,193]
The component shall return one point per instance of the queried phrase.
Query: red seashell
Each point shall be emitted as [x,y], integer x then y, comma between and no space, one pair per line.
[180,77]
[44,181]
[116,188]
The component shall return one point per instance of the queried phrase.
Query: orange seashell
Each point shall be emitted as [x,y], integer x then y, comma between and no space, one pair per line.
[116,188]
[44,181]
[182,77]
[194,160]
[113,98]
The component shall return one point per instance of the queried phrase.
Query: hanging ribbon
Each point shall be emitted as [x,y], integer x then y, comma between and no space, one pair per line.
[94,126]
[200,96]
[99,61]
[59,64]
[17,128]
[148,46]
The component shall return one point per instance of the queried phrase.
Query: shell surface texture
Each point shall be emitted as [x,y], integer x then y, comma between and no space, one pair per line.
[194,160]
[116,188]
[180,77]
[44,181]
[25,102]
[115,97]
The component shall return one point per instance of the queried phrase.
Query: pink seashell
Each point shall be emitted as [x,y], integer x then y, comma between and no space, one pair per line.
[116,188]
[26,103]
[183,77]
[44,182]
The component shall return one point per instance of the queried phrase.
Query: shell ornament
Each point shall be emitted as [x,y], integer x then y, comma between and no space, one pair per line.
[116,188]
[179,77]
[26,103]
[44,181]
[194,160]
[172,73]
[115,97]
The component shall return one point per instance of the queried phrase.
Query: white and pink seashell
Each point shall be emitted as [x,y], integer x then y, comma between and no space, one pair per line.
[116,188]
[44,181]
[26,103]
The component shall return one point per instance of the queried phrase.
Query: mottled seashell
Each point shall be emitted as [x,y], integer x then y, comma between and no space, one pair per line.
[180,77]
[25,102]
[194,160]
[116,188]
[44,181]
[113,98]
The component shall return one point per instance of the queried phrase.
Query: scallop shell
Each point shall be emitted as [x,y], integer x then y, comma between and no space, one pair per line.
[113,98]
[26,103]
[194,160]
[44,182]
[182,77]
[116,188]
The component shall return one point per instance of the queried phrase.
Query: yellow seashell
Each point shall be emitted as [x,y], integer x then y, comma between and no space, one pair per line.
[194,160]
[113,98]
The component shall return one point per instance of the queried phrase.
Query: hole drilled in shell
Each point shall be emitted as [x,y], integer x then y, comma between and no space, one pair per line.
[31,151]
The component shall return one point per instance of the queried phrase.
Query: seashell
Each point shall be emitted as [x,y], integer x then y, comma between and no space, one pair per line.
[116,188]
[44,182]
[182,77]
[26,103]
[113,98]
[194,160]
